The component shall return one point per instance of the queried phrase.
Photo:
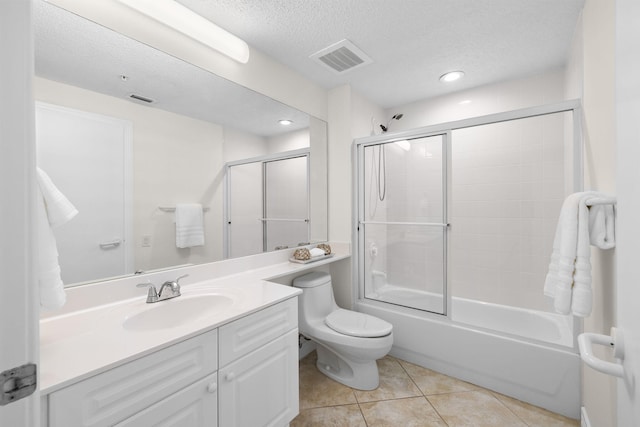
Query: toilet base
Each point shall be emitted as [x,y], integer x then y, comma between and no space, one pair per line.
[361,375]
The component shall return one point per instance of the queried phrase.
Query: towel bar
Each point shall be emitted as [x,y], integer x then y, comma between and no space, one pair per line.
[173,209]
[598,202]
[615,341]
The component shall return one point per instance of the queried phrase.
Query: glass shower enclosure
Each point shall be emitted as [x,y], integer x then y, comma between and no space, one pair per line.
[267,203]
[403,222]
[458,219]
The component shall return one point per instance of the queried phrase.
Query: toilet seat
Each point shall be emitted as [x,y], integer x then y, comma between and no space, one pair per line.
[357,324]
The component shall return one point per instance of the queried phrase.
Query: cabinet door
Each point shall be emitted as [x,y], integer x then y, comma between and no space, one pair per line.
[193,406]
[261,388]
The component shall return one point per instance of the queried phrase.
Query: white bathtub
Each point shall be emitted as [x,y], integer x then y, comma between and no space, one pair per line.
[484,345]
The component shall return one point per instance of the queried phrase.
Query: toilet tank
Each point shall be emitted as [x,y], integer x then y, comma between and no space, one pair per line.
[317,300]
[311,280]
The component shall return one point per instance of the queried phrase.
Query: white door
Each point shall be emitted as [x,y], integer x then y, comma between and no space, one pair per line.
[18,305]
[628,226]
[87,157]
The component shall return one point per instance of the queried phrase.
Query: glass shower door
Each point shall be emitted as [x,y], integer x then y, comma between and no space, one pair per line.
[402,222]
[286,205]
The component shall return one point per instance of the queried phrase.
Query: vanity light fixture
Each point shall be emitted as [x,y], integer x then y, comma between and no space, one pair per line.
[451,76]
[285,122]
[169,14]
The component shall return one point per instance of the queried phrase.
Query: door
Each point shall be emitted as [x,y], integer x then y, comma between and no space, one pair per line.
[88,158]
[18,295]
[402,222]
[627,227]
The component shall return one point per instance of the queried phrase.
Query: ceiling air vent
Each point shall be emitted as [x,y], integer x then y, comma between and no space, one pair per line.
[141,98]
[341,57]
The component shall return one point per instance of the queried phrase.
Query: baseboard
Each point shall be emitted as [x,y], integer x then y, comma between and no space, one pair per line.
[584,418]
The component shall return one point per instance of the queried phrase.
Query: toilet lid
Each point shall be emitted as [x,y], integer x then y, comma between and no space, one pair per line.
[357,324]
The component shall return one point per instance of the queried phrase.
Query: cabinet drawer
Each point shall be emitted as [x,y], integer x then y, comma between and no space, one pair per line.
[110,397]
[255,330]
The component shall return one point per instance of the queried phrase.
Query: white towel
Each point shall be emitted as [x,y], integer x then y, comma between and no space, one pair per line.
[602,222]
[189,225]
[568,281]
[59,208]
[53,209]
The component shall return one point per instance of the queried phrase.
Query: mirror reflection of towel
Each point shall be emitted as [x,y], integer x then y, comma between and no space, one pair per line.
[53,209]
[189,225]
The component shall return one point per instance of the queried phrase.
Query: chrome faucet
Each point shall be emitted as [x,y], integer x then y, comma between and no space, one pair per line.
[169,289]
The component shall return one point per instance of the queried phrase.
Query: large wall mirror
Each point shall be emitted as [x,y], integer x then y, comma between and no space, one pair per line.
[128,133]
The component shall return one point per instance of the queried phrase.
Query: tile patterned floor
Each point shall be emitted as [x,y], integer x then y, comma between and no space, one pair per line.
[411,396]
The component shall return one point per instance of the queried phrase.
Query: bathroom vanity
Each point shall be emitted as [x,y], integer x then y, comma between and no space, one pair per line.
[225,353]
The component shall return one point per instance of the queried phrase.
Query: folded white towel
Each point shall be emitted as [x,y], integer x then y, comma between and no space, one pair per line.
[316,252]
[602,222]
[52,209]
[568,281]
[189,225]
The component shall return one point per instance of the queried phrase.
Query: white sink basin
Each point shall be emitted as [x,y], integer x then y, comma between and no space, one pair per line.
[176,312]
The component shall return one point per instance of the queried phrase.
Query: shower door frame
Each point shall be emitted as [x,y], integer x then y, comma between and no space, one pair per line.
[444,225]
[286,155]
[446,129]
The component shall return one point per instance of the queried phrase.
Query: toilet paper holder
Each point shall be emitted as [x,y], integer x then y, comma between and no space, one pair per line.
[615,341]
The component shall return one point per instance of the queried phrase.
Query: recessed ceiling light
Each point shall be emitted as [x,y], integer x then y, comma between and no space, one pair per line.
[285,122]
[451,76]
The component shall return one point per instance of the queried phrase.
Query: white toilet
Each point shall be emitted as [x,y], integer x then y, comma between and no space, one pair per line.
[348,342]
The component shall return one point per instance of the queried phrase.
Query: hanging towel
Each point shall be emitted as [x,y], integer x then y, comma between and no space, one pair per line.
[602,222]
[568,281]
[189,225]
[53,209]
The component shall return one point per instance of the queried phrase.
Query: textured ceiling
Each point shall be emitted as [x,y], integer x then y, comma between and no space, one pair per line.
[412,42]
[72,50]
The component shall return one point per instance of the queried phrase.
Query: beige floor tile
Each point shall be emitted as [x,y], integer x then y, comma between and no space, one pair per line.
[473,409]
[332,416]
[534,416]
[316,389]
[394,383]
[409,412]
[431,382]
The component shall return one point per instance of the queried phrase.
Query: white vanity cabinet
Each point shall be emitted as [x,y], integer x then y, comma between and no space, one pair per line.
[245,373]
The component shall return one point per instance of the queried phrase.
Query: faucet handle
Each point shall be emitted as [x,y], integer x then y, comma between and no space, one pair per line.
[181,277]
[152,295]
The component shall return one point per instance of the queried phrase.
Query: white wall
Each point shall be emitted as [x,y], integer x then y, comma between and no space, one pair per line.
[288,141]
[176,159]
[539,89]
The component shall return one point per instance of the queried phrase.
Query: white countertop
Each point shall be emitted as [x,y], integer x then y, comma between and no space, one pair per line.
[88,340]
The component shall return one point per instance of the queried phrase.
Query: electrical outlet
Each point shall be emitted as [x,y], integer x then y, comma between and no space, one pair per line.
[146,241]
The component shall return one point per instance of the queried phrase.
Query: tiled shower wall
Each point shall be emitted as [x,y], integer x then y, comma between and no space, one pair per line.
[507,190]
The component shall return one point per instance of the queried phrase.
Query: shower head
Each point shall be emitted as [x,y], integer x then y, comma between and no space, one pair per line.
[394,117]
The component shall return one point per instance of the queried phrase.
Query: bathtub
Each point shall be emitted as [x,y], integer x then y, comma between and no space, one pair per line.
[524,354]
